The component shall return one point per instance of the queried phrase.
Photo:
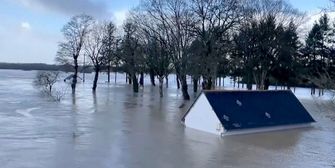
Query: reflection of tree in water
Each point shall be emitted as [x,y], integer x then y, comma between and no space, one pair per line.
[95,102]
[73,98]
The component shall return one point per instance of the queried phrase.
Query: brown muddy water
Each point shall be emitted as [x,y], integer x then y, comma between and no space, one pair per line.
[115,128]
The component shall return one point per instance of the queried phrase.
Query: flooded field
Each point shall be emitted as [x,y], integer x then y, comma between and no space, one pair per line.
[117,128]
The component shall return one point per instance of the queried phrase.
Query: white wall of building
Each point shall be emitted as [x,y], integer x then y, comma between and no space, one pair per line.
[202,117]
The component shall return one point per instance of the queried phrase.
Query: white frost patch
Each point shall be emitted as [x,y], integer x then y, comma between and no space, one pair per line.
[27,112]
[238,102]
[225,117]
[267,115]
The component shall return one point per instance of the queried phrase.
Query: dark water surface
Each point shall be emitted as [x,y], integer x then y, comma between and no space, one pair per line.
[119,129]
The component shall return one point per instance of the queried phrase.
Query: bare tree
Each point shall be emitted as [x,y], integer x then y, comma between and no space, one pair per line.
[157,50]
[324,79]
[158,56]
[215,19]
[75,32]
[175,19]
[283,11]
[131,52]
[110,43]
[93,48]
[45,80]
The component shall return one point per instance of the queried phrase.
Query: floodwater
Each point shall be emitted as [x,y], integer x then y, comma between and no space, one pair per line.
[119,129]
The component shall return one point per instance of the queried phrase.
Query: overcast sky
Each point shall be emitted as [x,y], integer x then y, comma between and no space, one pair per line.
[30,29]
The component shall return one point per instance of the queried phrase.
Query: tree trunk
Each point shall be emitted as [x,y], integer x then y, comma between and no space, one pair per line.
[209,83]
[249,80]
[126,77]
[249,86]
[219,81]
[142,79]
[261,80]
[161,80]
[130,79]
[216,82]
[184,87]
[313,90]
[223,81]
[135,83]
[95,81]
[167,81]
[75,75]
[266,84]
[195,85]
[152,77]
[178,83]
[116,68]
[109,73]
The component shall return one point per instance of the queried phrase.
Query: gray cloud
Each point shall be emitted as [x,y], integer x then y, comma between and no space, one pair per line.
[97,8]
[28,46]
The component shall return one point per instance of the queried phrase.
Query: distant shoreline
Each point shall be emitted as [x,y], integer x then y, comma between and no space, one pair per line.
[47,67]
[34,66]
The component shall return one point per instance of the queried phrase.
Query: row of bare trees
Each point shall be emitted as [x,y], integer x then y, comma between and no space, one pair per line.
[85,36]
[197,37]
[170,30]
[253,40]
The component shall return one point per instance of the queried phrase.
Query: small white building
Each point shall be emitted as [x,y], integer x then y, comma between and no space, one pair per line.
[238,112]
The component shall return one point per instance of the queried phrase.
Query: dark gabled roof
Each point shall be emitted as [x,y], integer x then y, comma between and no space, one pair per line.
[254,109]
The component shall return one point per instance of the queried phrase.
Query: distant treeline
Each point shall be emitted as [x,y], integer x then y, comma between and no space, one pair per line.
[48,67]
[35,66]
